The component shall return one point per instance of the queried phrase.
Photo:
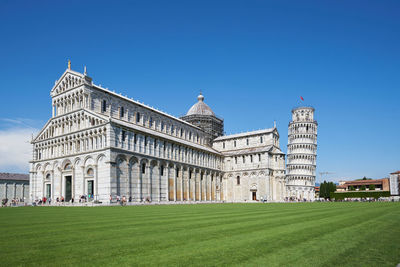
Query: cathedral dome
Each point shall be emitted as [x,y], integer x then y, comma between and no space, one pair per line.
[200,108]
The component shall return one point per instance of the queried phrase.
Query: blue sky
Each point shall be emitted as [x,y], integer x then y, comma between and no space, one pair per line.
[252,60]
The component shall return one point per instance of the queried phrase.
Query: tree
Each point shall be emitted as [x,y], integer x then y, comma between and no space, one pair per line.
[326,188]
[371,187]
[363,188]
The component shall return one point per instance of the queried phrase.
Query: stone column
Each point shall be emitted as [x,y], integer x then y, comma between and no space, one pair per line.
[52,186]
[14,190]
[96,182]
[183,182]
[5,190]
[73,183]
[209,187]
[148,181]
[267,188]
[31,174]
[201,187]
[159,182]
[174,184]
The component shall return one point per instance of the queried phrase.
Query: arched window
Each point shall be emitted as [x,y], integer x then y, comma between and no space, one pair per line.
[67,166]
[238,180]
[48,176]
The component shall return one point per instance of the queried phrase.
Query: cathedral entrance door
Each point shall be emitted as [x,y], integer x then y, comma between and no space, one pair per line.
[254,194]
[68,188]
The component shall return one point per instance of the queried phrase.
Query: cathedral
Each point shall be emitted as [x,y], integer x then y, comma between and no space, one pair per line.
[103,145]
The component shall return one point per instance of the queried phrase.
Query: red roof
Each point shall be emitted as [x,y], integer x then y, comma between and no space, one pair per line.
[398,172]
[364,182]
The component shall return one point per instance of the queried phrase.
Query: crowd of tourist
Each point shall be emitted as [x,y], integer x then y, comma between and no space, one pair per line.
[5,202]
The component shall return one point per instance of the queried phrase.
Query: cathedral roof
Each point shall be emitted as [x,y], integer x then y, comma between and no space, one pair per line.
[200,108]
[240,135]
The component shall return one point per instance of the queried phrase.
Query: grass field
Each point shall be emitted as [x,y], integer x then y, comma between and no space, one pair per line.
[298,234]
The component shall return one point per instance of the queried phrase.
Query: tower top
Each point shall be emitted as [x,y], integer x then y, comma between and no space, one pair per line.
[303,114]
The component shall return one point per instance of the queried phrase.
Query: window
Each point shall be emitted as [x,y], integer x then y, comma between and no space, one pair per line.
[235,160]
[143,168]
[162,170]
[145,140]
[162,126]
[181,132]
[121,112]
[123,136]
[190,135]
[151,122]
[238,180]
[251,158]
[155,144]
[104,106]
[261,139]
[177,172]
[137,117]
[172,129]
[223,145]
[134,139]
[247,141]
[244,159]
[259,157]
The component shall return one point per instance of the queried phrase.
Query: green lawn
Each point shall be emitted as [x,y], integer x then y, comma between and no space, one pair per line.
[298,234]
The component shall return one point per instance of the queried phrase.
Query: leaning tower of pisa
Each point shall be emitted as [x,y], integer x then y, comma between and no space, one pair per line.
[301,154]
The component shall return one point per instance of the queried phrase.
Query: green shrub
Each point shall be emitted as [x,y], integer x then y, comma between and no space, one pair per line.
[360,194]
[351,188]
[363,188]
[371,187]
